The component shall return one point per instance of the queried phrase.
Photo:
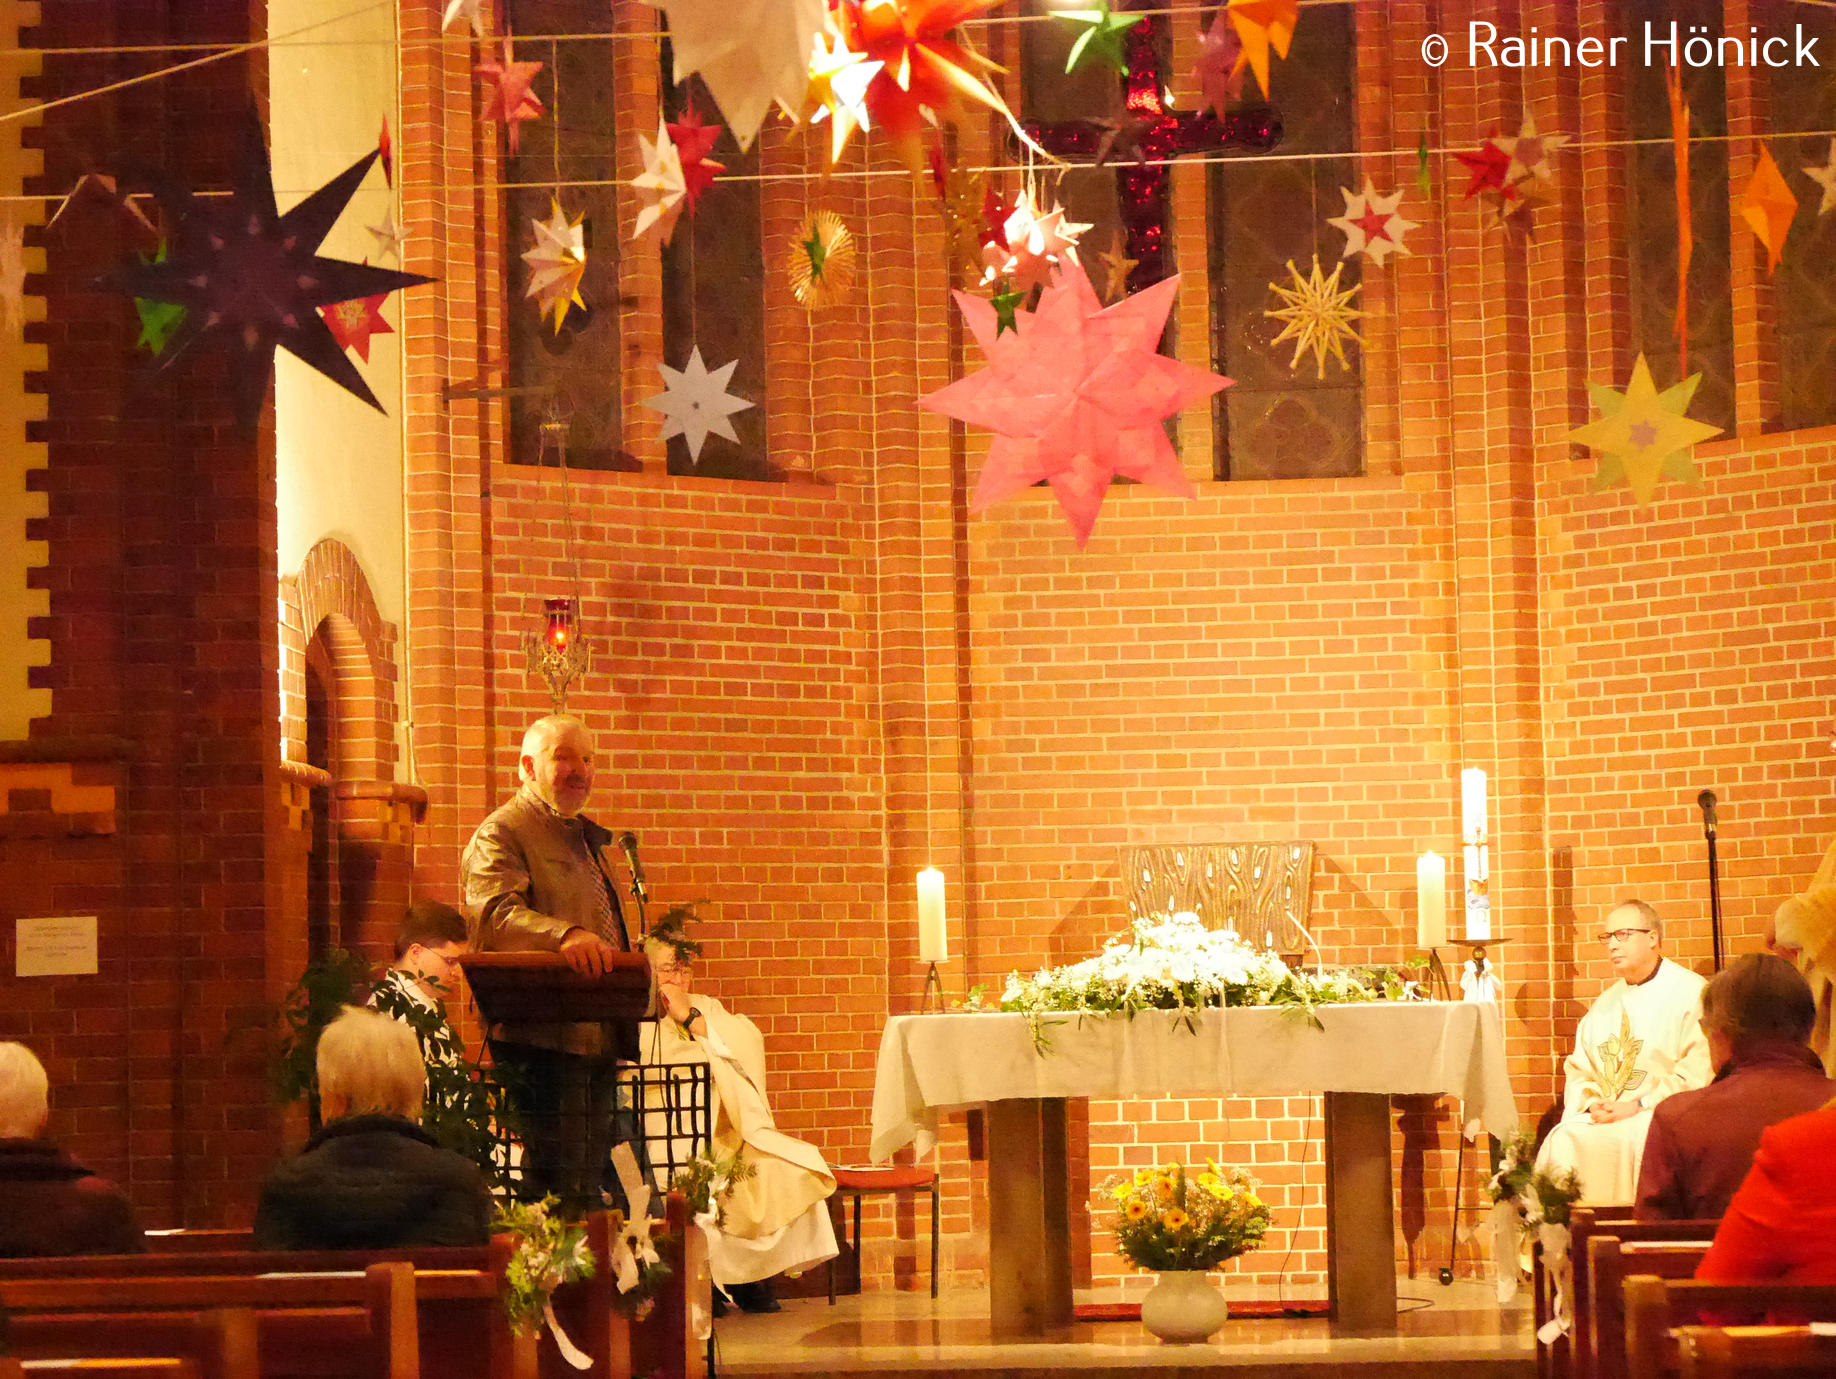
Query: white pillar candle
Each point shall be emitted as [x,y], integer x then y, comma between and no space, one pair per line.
[1478,894]
[933,939]
[1472,805]
[1430,900]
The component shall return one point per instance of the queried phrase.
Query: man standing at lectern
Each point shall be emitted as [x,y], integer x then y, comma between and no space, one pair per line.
[536,880]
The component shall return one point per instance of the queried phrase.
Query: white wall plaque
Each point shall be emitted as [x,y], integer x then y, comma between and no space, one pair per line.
[56,946]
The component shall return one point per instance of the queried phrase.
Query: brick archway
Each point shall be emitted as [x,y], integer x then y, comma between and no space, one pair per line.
[337,608]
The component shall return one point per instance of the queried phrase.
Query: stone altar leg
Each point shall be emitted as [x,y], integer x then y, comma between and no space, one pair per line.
[1029,1240]
[1360,1211]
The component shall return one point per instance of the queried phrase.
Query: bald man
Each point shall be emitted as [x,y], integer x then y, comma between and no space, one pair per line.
[536,879]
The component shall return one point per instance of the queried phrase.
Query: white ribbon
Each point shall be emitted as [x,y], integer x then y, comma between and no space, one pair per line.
[1505,1222]
[632,1247]
[1556,1266]
[570,1352]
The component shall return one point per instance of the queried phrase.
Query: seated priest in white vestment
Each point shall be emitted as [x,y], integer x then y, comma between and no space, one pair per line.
[1641,1041]
[777,1219]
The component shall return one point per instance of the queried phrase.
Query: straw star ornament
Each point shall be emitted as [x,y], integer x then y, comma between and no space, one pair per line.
[1318,315]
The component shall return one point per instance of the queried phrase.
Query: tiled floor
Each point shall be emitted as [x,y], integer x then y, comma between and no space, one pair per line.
[1455,1331]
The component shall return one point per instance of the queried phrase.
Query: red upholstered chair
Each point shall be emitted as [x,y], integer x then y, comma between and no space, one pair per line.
[894,1180]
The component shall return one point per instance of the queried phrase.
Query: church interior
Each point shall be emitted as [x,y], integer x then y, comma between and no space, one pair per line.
[1032,441]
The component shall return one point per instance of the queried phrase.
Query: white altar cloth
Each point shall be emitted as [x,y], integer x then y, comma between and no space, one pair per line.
[932,1063]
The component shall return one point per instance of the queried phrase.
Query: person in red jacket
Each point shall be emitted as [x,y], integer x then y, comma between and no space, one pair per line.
[1782,1222]
[49,1203]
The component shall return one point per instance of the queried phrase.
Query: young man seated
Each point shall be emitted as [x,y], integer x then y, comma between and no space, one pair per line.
[49,1203]
[428,946]
[1757,1015]
[372,1178]
[776,1219]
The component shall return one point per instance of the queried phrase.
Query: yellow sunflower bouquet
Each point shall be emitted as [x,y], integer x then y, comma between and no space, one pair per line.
[1167,1218]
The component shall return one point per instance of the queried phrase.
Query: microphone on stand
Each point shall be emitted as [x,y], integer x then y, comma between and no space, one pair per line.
[1706,802]
[627,844]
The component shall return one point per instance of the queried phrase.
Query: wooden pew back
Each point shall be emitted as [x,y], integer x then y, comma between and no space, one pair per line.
[1567,1357]
[1735,1352]
[1611,1262]
[1658,1309]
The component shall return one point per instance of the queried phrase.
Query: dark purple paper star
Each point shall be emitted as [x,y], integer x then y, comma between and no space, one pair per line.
[240,268]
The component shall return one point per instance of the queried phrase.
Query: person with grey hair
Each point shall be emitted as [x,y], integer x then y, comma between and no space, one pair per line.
[1640,1042]
[372,1178]
[49,1203]
[1757,1015]
[536,879]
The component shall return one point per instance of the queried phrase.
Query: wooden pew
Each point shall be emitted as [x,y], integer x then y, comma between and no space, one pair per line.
[1587,1223]
[1611,1262]
[1713,1352]
[459,1294]
[1658,1309]
[199,1241]
[310,1326]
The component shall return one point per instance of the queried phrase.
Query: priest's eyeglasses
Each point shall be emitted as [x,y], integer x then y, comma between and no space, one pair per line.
[1621,935]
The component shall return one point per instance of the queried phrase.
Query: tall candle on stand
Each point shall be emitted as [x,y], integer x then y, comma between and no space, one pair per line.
[1472,829]
[1430,900]
[933,938]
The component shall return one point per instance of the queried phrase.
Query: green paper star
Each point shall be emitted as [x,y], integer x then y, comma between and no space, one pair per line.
[818,252]
[1424,181]
[1005,305]
[158,320]
[1102,39]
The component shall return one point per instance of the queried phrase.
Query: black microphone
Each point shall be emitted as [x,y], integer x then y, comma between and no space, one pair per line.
[1707,802]
[627,844]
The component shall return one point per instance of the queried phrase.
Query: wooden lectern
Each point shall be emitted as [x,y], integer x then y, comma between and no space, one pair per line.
[541,989]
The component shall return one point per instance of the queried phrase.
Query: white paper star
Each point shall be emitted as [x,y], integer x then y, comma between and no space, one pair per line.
[472,11]
[695,403]
[838,87]
[1825,177]
[388,235]
[749,52]
[1371,224]
[556,263]
[661,184]
[1037,244]
[1529,152]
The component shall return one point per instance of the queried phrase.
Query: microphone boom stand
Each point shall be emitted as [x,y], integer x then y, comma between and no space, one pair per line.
[1707,802]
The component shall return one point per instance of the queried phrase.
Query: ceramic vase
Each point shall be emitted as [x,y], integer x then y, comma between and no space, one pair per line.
[1184,1306]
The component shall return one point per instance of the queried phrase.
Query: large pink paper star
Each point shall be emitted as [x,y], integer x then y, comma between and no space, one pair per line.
[508,99]
[1075,394]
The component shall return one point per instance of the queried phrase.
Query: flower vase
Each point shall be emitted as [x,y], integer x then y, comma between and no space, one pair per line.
[1183,1308]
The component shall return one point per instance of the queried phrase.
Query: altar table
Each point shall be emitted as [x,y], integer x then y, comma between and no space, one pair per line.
[1364,1055]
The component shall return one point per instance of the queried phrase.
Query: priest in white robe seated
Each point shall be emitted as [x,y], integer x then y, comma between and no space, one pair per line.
[1641,1041]
[776,1219]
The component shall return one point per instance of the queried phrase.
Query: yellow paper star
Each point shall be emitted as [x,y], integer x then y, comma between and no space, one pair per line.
[838,87]
[1261,25]
[1768,206]
[1643,435]
[1117,265]
[1318,315]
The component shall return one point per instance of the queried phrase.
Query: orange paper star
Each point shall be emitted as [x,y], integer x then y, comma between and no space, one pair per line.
[508,99]
[1262,25]
[1768,206]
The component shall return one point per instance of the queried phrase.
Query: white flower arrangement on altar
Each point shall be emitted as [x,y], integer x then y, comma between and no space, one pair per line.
[1174,963]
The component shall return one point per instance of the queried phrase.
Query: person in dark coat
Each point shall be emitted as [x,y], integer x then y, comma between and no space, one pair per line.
[372,1178]
[1757,1016]
[49,1203]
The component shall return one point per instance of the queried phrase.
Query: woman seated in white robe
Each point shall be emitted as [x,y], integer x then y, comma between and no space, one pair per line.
[776,1220]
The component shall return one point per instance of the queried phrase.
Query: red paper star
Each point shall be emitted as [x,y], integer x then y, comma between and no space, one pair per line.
[508,99]
[926,73]
[352,323]
[694,141]
[1374,224]
[385,151]
[1488,164]
[1075,393]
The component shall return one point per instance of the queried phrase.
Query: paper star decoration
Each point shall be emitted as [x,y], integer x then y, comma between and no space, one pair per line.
[838,89]
[254,277]
[661,185]
[1262,25]
[1075,395]
[1768,206]
[694,141]
[749,53]
[1218,73]
[1528,152]
[388,235]
[557,260]
[158,320]
[822,260]
[1372,225]
[1101,38]
[1643,435]
[472,11]
[1006,309]
[385,150]
[12,273]
[1117,265]
[508,99]
[1030,246]
[352,323]
[695,403]
[1825,177]
[1488,164]
[1318,315]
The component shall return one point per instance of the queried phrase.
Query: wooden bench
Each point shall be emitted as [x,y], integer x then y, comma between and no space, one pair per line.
[1659,1309]
[309,1326]
[1611,1262]
[1571,1357]
[1715,1352]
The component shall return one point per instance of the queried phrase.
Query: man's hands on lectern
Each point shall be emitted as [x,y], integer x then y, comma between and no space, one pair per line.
[588,954]
[1606,1112]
